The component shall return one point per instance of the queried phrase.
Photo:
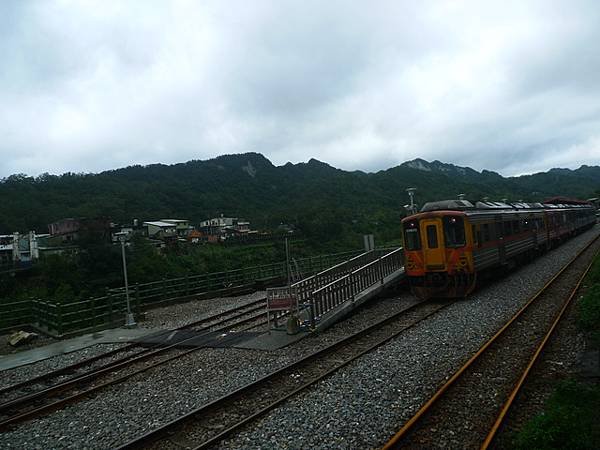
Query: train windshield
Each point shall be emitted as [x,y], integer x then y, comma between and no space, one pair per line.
[454,231]
[412,238]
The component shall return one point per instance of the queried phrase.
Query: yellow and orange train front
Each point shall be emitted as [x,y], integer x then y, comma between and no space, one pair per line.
[438,254]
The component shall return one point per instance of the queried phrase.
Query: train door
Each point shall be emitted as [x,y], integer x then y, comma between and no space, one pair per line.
[433,250]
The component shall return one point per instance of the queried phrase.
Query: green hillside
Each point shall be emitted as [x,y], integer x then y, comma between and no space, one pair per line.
[320,199]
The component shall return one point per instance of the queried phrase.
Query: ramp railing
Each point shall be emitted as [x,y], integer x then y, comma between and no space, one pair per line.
[304,288]
[332,295]
[298,293]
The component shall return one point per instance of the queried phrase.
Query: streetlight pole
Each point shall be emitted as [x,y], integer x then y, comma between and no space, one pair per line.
[411,194]
[129,320]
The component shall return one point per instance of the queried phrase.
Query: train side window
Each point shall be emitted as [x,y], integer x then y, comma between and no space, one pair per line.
[432,240]
[506,228]
[486,232]
[476,233]
[516,226]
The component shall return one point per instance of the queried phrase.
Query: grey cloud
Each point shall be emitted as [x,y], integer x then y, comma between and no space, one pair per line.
[506,86]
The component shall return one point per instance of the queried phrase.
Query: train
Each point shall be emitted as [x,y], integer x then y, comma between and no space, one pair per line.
[451,244]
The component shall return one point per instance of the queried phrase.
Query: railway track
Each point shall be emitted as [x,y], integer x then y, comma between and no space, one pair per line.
[211,423]
[470,408]
[55,389]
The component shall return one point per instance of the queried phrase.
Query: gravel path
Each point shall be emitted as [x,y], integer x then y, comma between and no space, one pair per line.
[359,407]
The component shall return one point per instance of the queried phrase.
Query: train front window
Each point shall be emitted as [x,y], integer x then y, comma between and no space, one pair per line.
[432,241]
[412,238]
[454,231]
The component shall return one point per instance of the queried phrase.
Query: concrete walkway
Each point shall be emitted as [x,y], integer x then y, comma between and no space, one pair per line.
[115,335]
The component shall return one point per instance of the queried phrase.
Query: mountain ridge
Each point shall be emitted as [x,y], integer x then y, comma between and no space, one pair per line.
[249,185]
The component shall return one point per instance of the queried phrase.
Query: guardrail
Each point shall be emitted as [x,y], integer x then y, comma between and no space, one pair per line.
[62,318]
[332,295]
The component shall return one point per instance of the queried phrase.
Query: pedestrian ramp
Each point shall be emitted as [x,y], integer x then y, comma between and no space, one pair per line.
[325,298]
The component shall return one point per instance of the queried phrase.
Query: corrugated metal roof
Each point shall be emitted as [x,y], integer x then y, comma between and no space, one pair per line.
[160,224]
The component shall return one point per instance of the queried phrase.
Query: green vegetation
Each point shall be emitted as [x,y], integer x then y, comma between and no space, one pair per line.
[570,420]
[589,307]
[570,417]
[323,202]
[96,267]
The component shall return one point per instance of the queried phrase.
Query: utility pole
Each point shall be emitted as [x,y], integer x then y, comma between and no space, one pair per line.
[129,320]
[293,323]
[287,263]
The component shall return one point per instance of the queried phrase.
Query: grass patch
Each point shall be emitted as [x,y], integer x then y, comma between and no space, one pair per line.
[589,307]
[570,420]
[589,315]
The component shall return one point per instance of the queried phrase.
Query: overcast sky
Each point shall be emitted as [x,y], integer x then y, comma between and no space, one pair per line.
[87,86]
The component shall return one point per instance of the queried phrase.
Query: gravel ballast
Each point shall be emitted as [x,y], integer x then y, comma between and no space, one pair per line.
[124,411]
[166,317]
[363,405]
[18,374]
[358,407]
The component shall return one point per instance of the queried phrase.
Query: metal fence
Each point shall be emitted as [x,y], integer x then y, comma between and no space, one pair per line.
[59,319]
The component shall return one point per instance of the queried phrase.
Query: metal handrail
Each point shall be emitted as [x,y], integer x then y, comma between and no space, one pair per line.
[303,289]
[344,288]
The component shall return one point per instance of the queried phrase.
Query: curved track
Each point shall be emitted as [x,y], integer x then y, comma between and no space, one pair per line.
[468,410]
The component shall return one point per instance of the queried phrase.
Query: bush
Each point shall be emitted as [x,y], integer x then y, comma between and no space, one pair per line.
[569,421]
[589,309]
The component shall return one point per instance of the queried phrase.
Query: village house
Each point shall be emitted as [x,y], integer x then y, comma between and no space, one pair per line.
[70,230]
[161,230]
[182,226]
[224,227]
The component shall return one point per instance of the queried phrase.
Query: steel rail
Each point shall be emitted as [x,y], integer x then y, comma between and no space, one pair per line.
[511,398]
[280,374]
[72,367]
[404,431]
[92,375]
[64,370]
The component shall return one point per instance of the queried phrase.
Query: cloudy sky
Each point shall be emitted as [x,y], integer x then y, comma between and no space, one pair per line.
[87,86]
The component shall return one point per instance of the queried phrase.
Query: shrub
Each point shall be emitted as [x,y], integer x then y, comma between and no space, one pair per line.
[568,422]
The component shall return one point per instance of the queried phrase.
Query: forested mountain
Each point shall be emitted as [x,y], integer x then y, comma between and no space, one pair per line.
[320,199]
